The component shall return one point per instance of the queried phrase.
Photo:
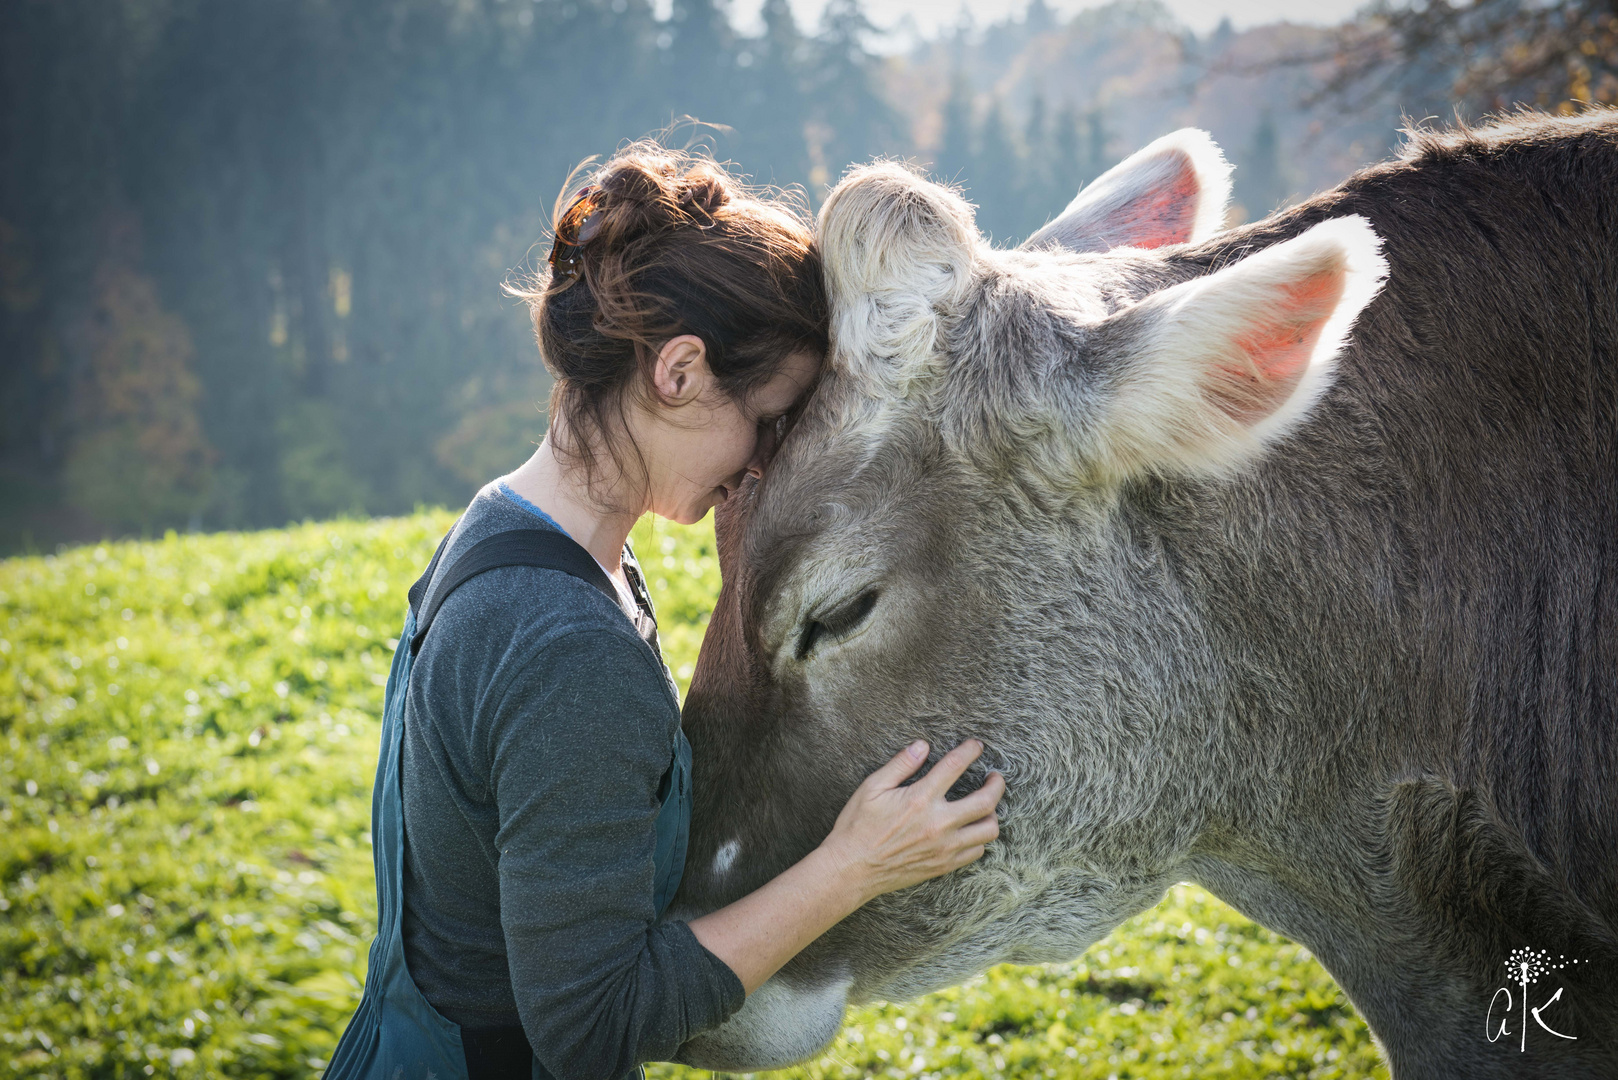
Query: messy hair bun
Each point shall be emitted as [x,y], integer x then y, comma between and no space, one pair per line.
[674,244]
[646,193]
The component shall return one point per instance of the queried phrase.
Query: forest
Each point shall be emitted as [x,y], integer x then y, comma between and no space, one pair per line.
[251,256]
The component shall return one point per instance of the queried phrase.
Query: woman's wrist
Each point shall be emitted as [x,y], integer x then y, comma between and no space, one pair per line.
[758,933]
[855,879]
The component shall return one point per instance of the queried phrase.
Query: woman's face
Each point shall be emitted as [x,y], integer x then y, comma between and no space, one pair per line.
[699,450]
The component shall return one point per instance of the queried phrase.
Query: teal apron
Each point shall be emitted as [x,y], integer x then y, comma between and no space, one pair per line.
[395,1034]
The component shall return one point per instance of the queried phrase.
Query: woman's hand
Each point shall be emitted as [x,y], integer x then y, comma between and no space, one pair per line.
[887,837]
[890,836]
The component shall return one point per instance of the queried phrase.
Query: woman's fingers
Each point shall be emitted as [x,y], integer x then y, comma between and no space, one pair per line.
[894,836]
[899,768]
[939,779]
[982,831]
[949,768]
[966,856]
[980,802]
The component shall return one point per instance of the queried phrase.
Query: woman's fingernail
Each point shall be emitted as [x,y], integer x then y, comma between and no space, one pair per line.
[917,748]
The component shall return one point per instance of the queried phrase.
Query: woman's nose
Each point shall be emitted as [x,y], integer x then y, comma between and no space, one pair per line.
[755,467]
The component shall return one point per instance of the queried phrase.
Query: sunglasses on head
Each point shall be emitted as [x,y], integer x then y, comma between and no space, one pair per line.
[573,230]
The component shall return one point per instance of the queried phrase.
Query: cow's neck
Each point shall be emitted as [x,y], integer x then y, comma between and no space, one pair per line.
[1355,818]
[1390,912]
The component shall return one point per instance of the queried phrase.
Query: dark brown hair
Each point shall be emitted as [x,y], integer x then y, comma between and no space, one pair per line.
[678,246]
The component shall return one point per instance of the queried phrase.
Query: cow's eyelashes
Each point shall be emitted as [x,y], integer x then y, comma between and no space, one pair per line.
[838,623]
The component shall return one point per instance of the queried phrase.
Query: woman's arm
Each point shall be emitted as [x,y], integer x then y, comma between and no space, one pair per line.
[887,837]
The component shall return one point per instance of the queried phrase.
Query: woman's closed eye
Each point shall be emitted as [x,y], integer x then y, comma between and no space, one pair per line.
[771,429]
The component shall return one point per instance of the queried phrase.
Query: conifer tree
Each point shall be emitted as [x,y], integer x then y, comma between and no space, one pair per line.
[994,187]
[1097,159]
[848,100]
[1261,184]
[700,59]
[955,153]
[1067,155]
[770,133]
[1039,194]
[1039,18]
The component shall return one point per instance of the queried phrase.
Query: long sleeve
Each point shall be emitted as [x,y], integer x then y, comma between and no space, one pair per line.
[577,743]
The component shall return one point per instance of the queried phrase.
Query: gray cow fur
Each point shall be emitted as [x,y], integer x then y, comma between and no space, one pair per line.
[1345,658]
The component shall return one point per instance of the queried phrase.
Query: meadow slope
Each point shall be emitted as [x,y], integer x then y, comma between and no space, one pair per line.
[189,731]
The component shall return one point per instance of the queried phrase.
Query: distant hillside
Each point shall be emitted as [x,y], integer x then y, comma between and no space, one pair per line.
[1128,72]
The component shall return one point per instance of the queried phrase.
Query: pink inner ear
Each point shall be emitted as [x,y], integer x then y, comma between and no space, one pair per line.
[1276,349]
[1167,216]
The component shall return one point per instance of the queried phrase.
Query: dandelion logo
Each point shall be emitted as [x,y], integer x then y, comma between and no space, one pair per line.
[1525,966]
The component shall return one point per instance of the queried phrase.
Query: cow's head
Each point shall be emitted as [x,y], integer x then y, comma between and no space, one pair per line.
[947,546]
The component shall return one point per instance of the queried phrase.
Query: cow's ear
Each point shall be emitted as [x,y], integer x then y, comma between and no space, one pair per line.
[1205,375]
[898,252]
[1174,191]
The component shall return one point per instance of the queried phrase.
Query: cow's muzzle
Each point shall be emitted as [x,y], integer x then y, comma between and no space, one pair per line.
[780,1024]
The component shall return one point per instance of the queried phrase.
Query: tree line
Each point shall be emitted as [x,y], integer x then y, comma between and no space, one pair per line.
[251,254]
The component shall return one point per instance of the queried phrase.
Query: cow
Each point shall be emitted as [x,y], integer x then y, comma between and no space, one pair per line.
[1281,559]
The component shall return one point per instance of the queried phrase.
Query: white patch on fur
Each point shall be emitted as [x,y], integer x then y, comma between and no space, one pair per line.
[1108,212]
[1195,347]
[778,1025]
[725,857]
[898,253]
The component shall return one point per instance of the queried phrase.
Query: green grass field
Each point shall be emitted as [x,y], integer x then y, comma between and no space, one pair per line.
[189,733]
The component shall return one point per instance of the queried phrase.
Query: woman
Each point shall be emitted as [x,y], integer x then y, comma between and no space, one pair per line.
[533,791]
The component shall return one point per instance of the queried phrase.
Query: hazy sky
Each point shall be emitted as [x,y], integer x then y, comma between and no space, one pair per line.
[1199,15]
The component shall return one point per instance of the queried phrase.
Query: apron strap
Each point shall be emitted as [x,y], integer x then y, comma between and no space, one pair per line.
[544,548]
[419,590]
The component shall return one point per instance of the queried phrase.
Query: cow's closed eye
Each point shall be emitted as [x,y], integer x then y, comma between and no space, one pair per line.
[841,621]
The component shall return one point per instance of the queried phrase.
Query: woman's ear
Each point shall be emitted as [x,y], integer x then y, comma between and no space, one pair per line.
[681,374]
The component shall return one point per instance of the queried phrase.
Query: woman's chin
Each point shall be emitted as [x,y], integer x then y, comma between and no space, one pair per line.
[697,509]
[690,515]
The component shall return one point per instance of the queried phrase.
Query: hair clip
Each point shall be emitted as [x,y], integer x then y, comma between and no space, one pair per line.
[574,229]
